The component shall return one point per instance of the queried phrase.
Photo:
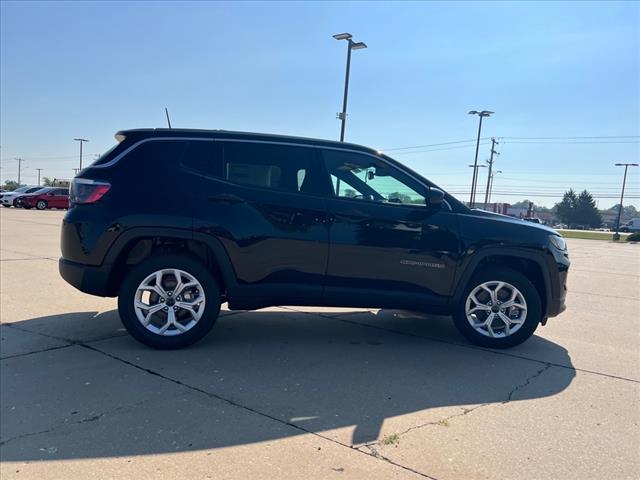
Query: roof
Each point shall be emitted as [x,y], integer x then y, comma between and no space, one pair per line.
[182,132]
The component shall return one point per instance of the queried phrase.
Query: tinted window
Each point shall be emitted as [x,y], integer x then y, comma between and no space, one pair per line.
[276,167]
[158,154]
[203,157]
[362,177]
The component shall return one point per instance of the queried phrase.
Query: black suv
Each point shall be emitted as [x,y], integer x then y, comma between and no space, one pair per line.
[175,222]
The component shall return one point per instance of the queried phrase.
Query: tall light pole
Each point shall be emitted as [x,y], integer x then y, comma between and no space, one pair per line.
[481,114]
[38,169]
[351,45]
[616,236]
[491,182]
[476,168]
[81,140]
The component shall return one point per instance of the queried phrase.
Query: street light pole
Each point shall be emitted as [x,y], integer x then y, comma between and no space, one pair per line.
[351,45]
[476,168]
[81,140]
[616,236]
[481,114]
[38,169]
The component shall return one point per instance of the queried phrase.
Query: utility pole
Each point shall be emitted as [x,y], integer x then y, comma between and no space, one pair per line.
[81,140]
[616,236]
[38,169]
[493,152]
[481,114]
[19,160]
[491,182]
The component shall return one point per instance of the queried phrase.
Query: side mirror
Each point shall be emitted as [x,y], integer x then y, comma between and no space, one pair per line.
[435,197]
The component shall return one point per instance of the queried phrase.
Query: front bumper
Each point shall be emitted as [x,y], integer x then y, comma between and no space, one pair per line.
[86,278]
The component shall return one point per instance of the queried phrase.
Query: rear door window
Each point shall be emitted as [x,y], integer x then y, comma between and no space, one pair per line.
[275,167]
[203,157]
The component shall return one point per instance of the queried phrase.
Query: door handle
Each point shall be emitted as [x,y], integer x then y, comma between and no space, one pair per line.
[226,198]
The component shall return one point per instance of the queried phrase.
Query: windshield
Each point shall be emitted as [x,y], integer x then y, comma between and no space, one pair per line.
[21,189]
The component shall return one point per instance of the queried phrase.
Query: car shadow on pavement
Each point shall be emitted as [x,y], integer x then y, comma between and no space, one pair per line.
[76,386]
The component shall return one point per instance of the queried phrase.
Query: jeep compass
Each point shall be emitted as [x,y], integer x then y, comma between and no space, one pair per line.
[263,220]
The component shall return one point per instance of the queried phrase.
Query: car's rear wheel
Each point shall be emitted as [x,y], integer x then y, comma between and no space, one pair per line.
[41,204]
[501,308]
[16,203]
[169,301]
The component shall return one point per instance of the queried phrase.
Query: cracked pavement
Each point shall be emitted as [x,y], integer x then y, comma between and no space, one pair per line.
[310,392]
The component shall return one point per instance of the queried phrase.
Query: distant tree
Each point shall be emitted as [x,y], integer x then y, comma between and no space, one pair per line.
[10,185]
[54,182]
[525,204]
[399,197]
[566,208]
[586,211]
[628,211]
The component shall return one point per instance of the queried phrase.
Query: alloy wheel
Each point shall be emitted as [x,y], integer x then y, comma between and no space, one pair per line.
[169,302]
[496,309]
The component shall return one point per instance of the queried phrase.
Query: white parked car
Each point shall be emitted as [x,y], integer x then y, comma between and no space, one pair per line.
[8,199]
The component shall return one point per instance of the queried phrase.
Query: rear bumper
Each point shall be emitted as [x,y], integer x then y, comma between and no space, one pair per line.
[86,278]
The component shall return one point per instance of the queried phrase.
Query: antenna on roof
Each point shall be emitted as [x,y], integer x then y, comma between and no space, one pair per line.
[167,114]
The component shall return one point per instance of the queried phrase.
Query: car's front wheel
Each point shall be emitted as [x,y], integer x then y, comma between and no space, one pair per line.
[169,301]
[501,308]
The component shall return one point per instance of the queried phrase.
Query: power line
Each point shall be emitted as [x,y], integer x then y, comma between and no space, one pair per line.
[511,140]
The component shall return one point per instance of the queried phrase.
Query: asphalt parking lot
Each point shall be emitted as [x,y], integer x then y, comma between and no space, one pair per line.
[309,392]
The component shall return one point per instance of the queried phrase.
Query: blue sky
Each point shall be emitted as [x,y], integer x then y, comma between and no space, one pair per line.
[70,69]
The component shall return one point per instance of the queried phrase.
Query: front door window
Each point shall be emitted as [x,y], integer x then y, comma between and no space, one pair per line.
[366,178]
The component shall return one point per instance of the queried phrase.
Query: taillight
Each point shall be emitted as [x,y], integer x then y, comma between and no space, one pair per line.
[84,191]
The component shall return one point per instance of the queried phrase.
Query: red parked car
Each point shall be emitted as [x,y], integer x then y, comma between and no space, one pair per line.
[52,197]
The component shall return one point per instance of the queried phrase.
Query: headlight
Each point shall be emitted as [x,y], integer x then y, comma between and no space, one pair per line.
[558,242]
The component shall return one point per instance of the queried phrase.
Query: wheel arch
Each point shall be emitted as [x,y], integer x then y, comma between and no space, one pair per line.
[530,264]
[138,244]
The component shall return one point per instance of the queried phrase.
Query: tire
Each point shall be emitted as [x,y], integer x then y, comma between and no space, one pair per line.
[172,339]
[6,206]
[16,204]
[492,277]
[41,204]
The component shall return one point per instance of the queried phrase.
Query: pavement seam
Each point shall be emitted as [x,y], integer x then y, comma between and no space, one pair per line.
[210,395]
[18,355]
[465,411]
[247,408]
[90,418]
[469,346]
[26,259]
